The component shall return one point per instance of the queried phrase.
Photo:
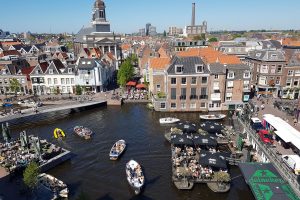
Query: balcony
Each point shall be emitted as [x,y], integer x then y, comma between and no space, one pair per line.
[215,97]
[193,97]
[203,97]
[183,97]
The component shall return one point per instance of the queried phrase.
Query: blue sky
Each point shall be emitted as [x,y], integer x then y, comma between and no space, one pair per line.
[127,16]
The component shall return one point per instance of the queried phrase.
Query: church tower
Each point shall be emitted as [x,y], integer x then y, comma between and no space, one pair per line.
[99,17]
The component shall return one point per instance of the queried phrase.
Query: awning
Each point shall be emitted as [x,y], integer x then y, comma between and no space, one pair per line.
[131,83]
[140,86]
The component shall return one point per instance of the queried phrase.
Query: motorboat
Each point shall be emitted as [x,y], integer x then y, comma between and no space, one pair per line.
[51,183]
[135,176]
[83,132]
[213,117]
[27,103]
[117,149]
[168,120]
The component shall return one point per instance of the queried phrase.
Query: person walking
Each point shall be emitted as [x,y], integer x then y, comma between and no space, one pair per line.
[295,122]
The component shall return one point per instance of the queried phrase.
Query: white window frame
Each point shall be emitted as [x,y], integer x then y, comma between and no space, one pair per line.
[247,73]
[193,105]
[158,88]
[290,72]
[201,68]
[173,104]
[230,75]
[201,105]
[178,67]
[216,76]
[165,107]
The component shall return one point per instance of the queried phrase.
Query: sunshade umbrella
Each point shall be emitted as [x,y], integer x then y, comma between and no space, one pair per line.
[187,127]
[212,127]
[140,86]
[181,140]
[204,140]
[217,159]
[131,83]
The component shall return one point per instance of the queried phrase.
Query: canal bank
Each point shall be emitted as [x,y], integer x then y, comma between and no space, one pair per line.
[50,112]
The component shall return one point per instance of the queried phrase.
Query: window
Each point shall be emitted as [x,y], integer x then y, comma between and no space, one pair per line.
[199,68]
[194,80]
[273,69]
[279,69]
[83,62]
[72,80]
[70,71]
[218,105]
[288,82]
[49,81]
[41,80]
[230,75]
[67,81]
[173,105]
[193,105]
[183,81]
[158,88]
[62,81]
[50,71]
[216,76]
[203,93]
[297,72]
[203,105]
[277,82]
[178,69]
[162,105]
[229,84]
[173,93]
[0,81]
[55,81]
[204,80]
[34,80]
[183,106]
[262,80]
[23,80]
[216,86]
[173,81]
[88,72]
[193,93]
[211,105]
[183,94]
[37,71]
[290,72]
[247,74]
[296,82]
[264,69]
[228,96]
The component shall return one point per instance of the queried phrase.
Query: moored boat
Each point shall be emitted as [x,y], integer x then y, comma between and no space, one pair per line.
[168,120]
[51,183]
[135,176]
[58,133]
[117,149]
[83,132]
[213,117]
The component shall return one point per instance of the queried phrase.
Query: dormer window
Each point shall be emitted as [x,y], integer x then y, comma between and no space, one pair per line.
[37,71]
[83,62]
[247,74]
[199,68]
[273,55]
[230,75]
[89,62]
[50,71]
[70,71]
[178,69]
[258,54]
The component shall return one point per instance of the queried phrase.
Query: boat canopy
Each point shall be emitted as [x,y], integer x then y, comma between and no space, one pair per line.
[284,130]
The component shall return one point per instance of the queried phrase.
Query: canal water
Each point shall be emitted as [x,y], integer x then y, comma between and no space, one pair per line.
[91,172]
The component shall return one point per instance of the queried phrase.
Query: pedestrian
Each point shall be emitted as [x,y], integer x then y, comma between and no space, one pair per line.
[295,122]
[262,106]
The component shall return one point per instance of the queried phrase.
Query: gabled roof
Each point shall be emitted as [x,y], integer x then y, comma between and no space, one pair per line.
[189,65]
[159,63]
[217,68]
[17,46]
[66,70]
[86,63]
[10,53]
[27,71]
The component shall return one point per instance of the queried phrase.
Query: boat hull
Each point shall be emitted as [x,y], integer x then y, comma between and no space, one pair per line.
[113,155]
[212,117]
[135,176]
[168,120]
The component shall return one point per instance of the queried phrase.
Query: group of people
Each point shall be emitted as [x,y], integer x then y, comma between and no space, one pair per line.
[136,174]
[136,94]
[118,147]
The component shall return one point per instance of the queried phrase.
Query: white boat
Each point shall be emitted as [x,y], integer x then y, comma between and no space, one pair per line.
[83,132]
[135,176]
[117,149]
[168,120]
[51,183]
[213,117]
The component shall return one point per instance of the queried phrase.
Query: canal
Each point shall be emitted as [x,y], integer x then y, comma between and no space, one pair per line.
[90,171]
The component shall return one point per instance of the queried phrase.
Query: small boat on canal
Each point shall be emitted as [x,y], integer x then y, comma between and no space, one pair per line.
[83,132]
[58,133]
[213,117]
[135,176]
[117,149]
[51,183]
[168,120]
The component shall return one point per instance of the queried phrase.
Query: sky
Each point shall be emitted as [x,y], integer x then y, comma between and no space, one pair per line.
[127,16]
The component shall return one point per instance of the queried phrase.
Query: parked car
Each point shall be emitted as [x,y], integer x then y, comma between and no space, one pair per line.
[293,162]
[265,136]
[256,124]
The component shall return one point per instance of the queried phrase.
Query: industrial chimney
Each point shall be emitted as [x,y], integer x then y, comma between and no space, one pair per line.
[193,14]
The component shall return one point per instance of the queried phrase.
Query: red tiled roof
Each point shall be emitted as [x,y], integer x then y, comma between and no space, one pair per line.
[159,63]
[26,71]
[9,53]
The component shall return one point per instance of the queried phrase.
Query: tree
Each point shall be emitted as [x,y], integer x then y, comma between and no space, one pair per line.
[125,73]
[14,85]
[56,90]
[222,177]
[213,39]
[78,90]
[200,37]
[165,34]
[30,175]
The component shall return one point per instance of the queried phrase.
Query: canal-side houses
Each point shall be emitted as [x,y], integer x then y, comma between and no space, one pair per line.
[267,67]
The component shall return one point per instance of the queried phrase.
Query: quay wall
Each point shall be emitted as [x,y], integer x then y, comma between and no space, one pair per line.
[55,113]
[269,155]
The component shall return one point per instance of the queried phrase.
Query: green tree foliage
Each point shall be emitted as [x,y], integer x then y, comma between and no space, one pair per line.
[126,72]
[165,34]
[30,175]
[78,90]
[222,177]
[200,37]
[213,39]
[14,85]
[56,90]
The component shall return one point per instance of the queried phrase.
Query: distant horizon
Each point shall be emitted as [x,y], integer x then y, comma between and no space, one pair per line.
[127,17]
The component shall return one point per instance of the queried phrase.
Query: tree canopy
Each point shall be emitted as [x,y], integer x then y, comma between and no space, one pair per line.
[14,85]
[30,175]
[126,72]
[200,37]
[213,39]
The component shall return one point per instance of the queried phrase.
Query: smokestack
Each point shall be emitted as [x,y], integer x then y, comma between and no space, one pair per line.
[193,14]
